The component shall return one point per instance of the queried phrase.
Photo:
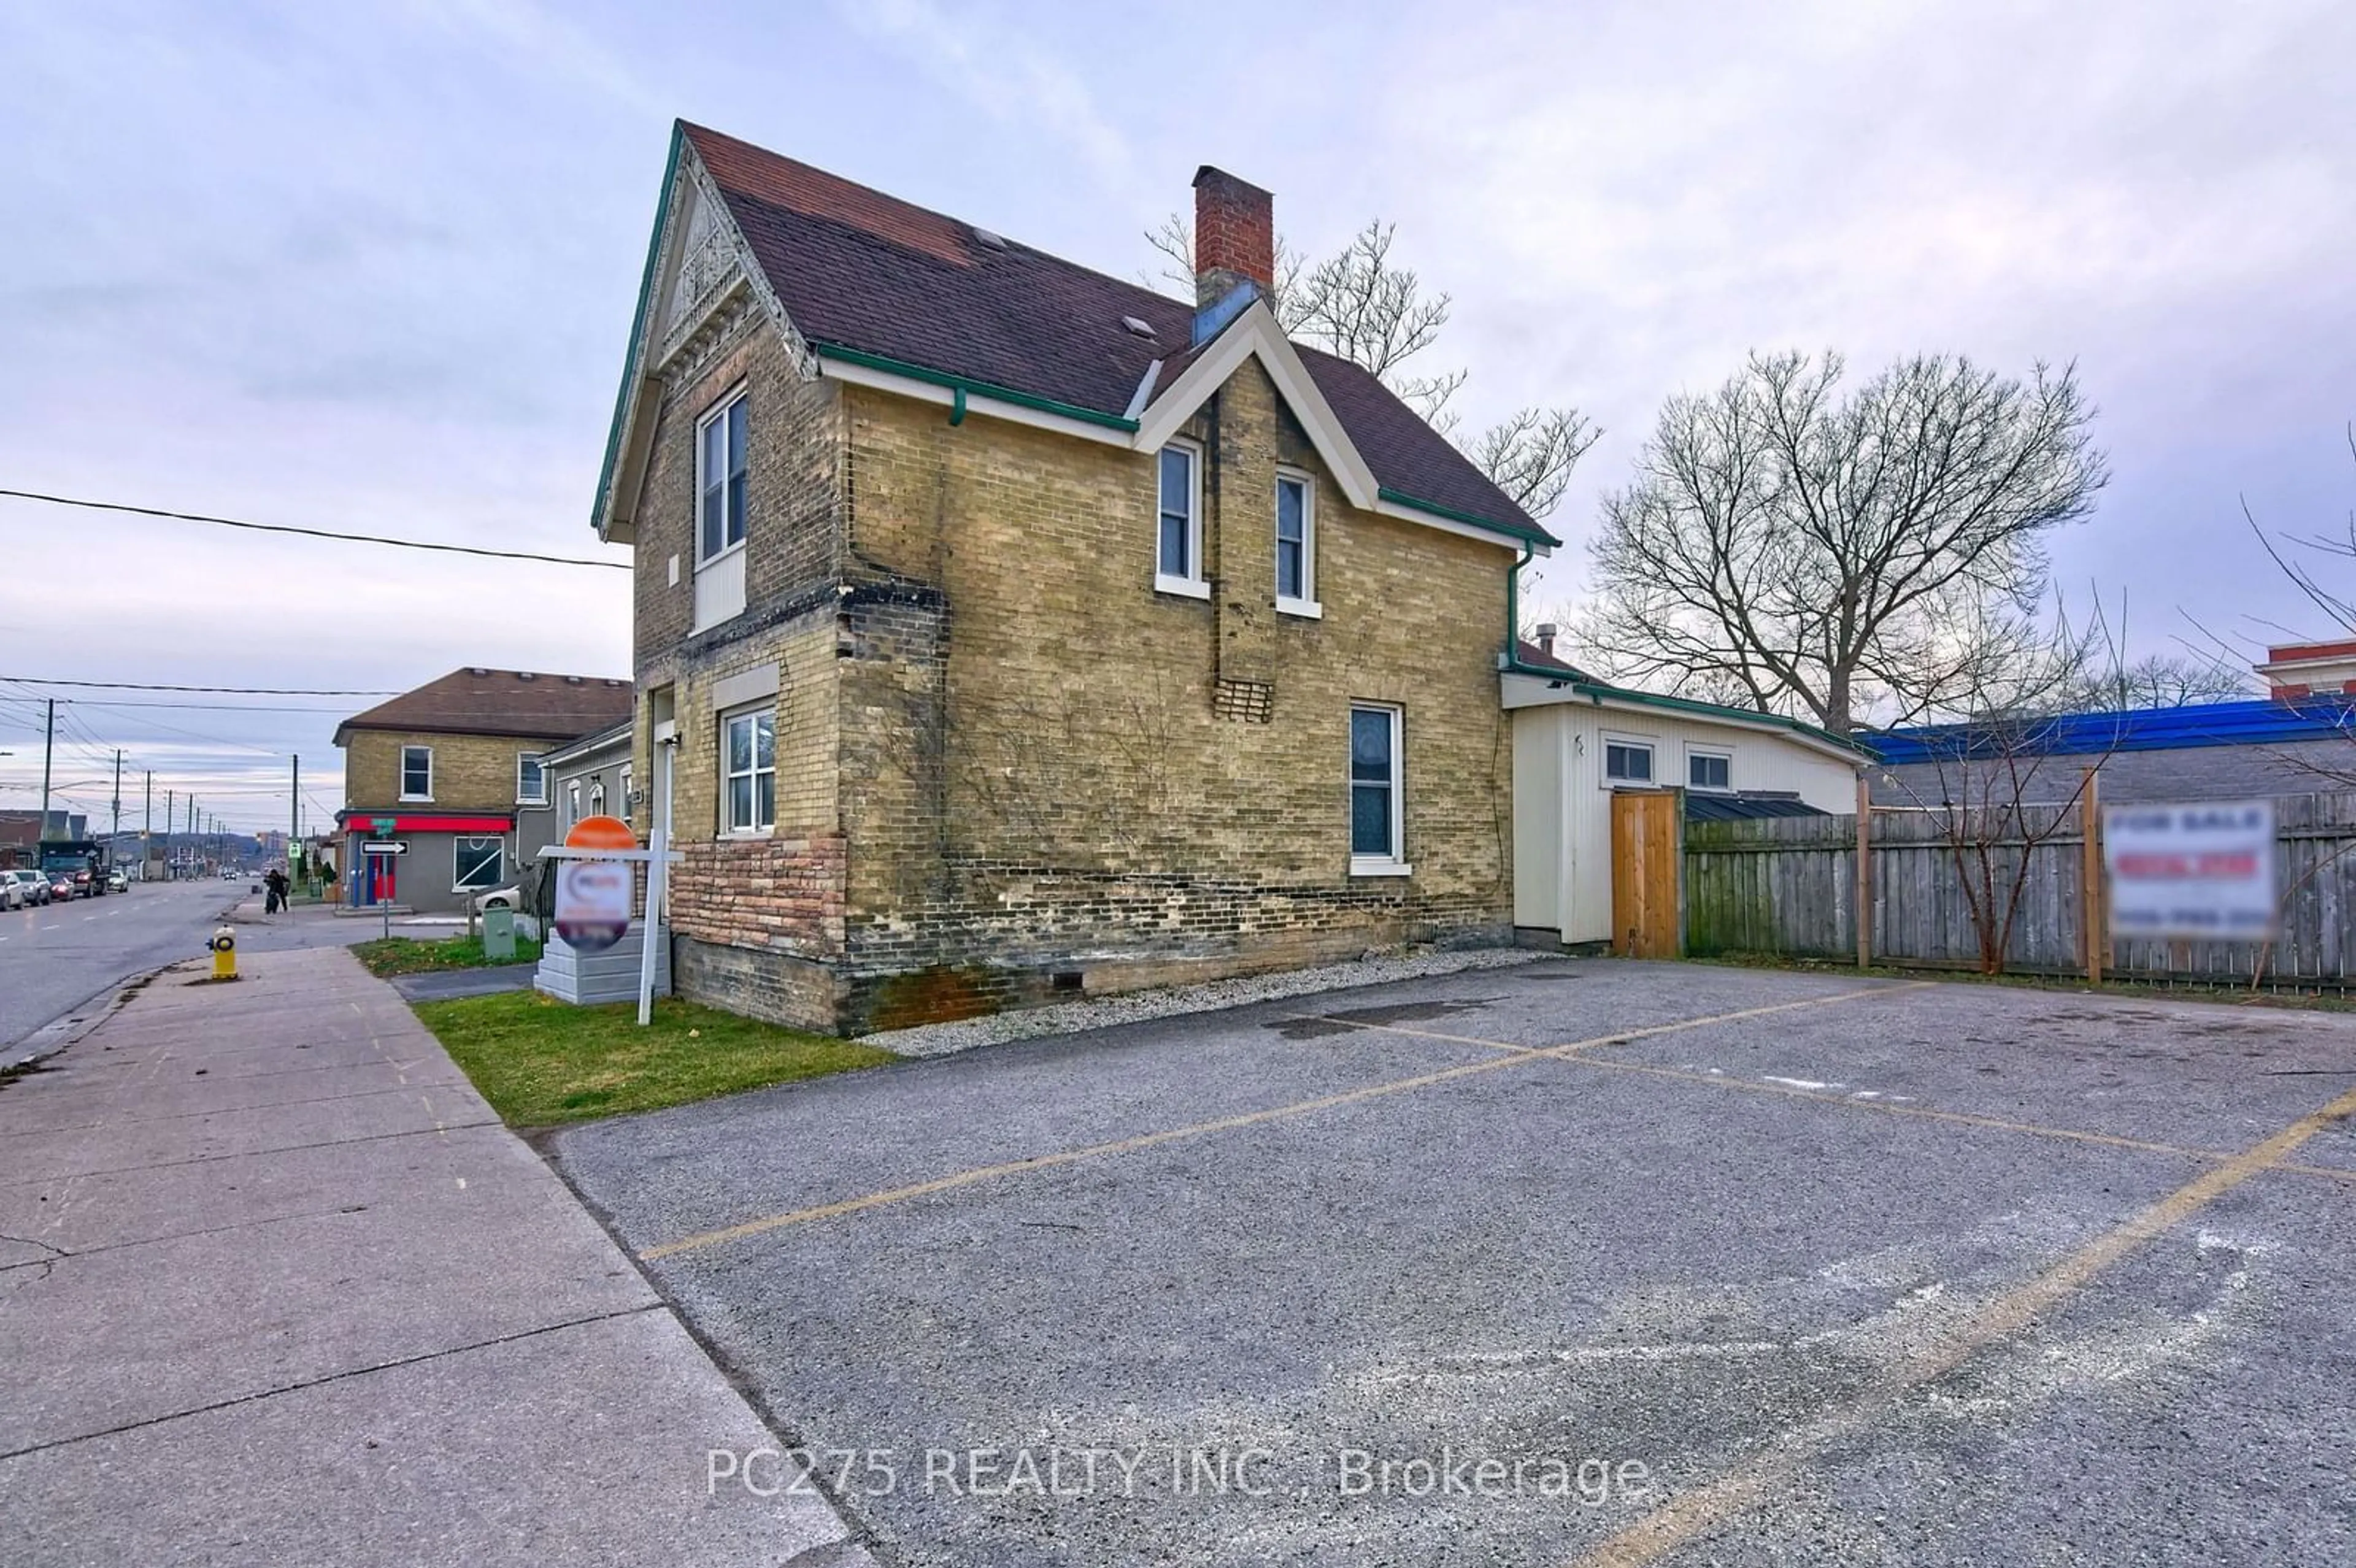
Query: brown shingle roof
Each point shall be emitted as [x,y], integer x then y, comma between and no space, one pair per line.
[526,703]
[859,269]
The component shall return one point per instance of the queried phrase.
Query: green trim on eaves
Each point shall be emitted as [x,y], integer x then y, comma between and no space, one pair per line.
[969,387]
[597,507]
[1599,690]
[1528,532]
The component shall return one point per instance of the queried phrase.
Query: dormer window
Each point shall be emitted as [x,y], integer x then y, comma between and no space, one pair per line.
[1178,560]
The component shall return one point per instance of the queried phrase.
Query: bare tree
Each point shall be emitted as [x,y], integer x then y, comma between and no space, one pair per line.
[1360,304]
[2159,680]
[1825,555]
[1992,813]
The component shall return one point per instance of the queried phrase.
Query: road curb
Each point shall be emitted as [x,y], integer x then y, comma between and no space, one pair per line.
[77,1020]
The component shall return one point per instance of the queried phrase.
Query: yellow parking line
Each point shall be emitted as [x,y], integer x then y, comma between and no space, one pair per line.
[1694,1513]
[1519,1054]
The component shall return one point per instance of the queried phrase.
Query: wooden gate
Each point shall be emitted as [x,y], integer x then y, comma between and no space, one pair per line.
[1646,922]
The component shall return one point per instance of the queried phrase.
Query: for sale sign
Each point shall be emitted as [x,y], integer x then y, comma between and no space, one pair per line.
[592,897]
[2204,871]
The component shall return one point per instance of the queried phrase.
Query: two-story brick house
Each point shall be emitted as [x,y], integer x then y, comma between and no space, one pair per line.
[458,768]
[1005,629]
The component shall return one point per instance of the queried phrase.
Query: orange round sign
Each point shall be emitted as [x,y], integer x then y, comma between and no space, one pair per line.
[601,833]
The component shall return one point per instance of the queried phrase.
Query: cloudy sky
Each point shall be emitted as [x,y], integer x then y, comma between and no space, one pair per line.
[370,268]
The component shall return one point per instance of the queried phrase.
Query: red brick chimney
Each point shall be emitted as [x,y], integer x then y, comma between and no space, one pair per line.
[1235,236]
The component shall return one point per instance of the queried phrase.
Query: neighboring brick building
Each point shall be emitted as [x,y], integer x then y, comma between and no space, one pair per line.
[1010,628]
[454,767]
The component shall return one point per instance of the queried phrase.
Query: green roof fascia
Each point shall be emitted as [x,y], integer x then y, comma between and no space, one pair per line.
[638,325]
[1528,533]
[1599,690]
[971,388]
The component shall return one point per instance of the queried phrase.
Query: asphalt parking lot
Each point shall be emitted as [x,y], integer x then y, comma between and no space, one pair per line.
[1583,1262]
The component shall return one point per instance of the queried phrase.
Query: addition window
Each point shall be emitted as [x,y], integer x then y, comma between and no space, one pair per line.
[476,863]
[626,792]
[597,798]
[531,780]
[571,803]
[1178,540]
[1710,771]
[1627,762]
[1296,545]
[749,758]
[1378,846]
[720,469]
[417,773]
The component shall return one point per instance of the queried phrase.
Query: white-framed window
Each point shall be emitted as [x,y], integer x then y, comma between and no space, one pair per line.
[1378,792]
[1627,762]
[417,773]
[721,462]
[748,759]
[1296,545]
[1178,521]
[1710,769]
[597,798]
[531,780]
[626,806]
[571,802]
[476,863]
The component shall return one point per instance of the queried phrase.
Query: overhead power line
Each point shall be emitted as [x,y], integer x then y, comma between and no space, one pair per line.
[313,533]
[152,686]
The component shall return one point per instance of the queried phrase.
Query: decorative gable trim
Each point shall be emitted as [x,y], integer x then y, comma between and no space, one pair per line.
[1255,334]
[696,241]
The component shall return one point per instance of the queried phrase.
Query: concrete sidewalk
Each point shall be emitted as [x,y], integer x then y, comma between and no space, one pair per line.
[277,1287]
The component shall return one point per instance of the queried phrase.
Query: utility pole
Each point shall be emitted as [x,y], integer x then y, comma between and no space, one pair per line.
[294,813]
[110,837]
[147,826]
[49,749]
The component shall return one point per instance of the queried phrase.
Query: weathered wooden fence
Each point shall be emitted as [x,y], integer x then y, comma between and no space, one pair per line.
[1789,886]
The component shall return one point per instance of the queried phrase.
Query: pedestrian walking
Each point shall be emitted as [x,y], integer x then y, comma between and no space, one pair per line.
[275,884]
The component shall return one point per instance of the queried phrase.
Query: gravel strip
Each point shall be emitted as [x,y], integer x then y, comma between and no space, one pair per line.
[1130,1006]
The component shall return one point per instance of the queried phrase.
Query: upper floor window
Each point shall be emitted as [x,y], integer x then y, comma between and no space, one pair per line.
[1296,545]
[720,468]
[1178,544]
[1627,762]
[749,761]
[597,798]
[1710,769]
[571,803]
[531,780]
[417,773]
[625,792]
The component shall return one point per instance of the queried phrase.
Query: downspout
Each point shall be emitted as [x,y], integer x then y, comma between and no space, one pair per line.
[957,405]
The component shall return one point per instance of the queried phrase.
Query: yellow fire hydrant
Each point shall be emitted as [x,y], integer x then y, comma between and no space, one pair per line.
[224,946]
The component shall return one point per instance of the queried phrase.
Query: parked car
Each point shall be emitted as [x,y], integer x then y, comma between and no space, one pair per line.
[63,888]
[12,893]
[500,898]
[116,882]
[32,888]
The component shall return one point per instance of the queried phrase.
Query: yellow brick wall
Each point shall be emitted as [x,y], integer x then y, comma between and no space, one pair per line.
[471,773]
[1001,763]
[1078,730]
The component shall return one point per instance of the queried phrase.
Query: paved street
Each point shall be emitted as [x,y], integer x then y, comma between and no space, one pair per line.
[57,957]
[277,1287]
[1579,1263]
